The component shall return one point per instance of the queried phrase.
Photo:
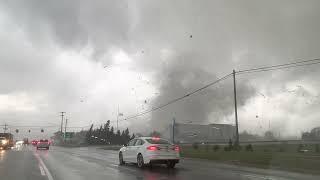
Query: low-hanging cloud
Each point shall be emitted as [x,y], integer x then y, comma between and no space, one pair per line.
[179,46]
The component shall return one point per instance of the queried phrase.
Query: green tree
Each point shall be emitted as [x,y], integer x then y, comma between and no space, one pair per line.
[133,136]
[126,136]
[89,135]
[118,137]
[111,135]
[155,134]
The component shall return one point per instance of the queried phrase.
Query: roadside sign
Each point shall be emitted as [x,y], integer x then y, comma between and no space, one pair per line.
[68,135]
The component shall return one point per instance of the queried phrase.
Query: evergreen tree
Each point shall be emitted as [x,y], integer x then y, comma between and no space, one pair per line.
[89,134]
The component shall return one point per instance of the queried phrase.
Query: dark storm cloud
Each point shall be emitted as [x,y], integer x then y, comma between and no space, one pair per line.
[74,24]
[182,77]
[186,44]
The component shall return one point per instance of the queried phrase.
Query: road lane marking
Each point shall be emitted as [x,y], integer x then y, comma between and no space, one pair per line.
[44,167]
[257,177]
[41,170]
[114,165]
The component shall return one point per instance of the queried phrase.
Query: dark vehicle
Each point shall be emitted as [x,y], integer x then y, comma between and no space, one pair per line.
[26,141]
[6,141]
[43,144]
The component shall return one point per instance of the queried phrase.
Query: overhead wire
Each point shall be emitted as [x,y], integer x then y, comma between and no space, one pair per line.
[252,70]
[178,99]
[280,66]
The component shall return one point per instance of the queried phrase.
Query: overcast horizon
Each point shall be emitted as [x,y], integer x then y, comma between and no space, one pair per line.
[89,58]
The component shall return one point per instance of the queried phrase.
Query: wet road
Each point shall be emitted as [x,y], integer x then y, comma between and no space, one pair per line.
[59,163]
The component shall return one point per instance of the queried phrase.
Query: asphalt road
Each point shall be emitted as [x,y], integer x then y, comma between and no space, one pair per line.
[27,163]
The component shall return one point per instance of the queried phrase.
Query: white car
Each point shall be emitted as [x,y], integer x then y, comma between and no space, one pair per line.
[150,150]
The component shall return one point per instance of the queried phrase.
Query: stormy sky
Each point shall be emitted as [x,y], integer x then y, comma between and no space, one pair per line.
[88,58]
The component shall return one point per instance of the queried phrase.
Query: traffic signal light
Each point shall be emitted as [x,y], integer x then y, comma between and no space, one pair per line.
[17,130]
[42,130]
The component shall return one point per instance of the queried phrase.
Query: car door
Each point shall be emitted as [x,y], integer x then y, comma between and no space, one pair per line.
[127,151]
[135,149]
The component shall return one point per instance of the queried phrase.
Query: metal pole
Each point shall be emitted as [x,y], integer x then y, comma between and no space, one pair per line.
[5,128]
[62,114]
[173,125]
[118,118]
[235,107]
[65,129]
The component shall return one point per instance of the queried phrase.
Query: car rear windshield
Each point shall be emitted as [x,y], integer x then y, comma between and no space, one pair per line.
[157,141]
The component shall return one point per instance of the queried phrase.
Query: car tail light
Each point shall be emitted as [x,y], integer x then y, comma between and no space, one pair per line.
[177,148]
[152,148]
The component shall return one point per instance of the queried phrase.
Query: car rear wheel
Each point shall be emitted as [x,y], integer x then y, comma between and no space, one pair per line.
[140,161]
[121,162]
[171,164]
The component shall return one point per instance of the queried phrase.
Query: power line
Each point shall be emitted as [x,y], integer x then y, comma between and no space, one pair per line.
[252,70]
[280,66]
[178,99]
[22,126]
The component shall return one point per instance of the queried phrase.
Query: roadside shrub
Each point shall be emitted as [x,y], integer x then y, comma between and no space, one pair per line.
[195,145]
[299,148]
[227,148]
[281,149]
[249,148]
[230,144]
[216,148]
[317,148]
[236,147]
[266,150]
[283,146]
[207,147]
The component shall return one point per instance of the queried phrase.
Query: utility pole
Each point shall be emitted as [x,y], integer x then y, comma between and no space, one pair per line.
[5,128]
[62,114]
[235,107]
[65,129]
[173,126]
[118,118]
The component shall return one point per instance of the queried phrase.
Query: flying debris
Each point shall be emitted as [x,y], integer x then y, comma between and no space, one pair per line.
[105,66]
[190,36]
[262,95]
[142,51]
[145,101]
[257,116]
[291,91]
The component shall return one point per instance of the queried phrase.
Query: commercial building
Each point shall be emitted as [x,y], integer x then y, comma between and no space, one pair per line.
[189,133]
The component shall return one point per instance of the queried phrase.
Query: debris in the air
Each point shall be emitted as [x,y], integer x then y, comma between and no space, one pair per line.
[105,66]
[190,36]
[145,101]
[257,116]
[262,94]
[142,51]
